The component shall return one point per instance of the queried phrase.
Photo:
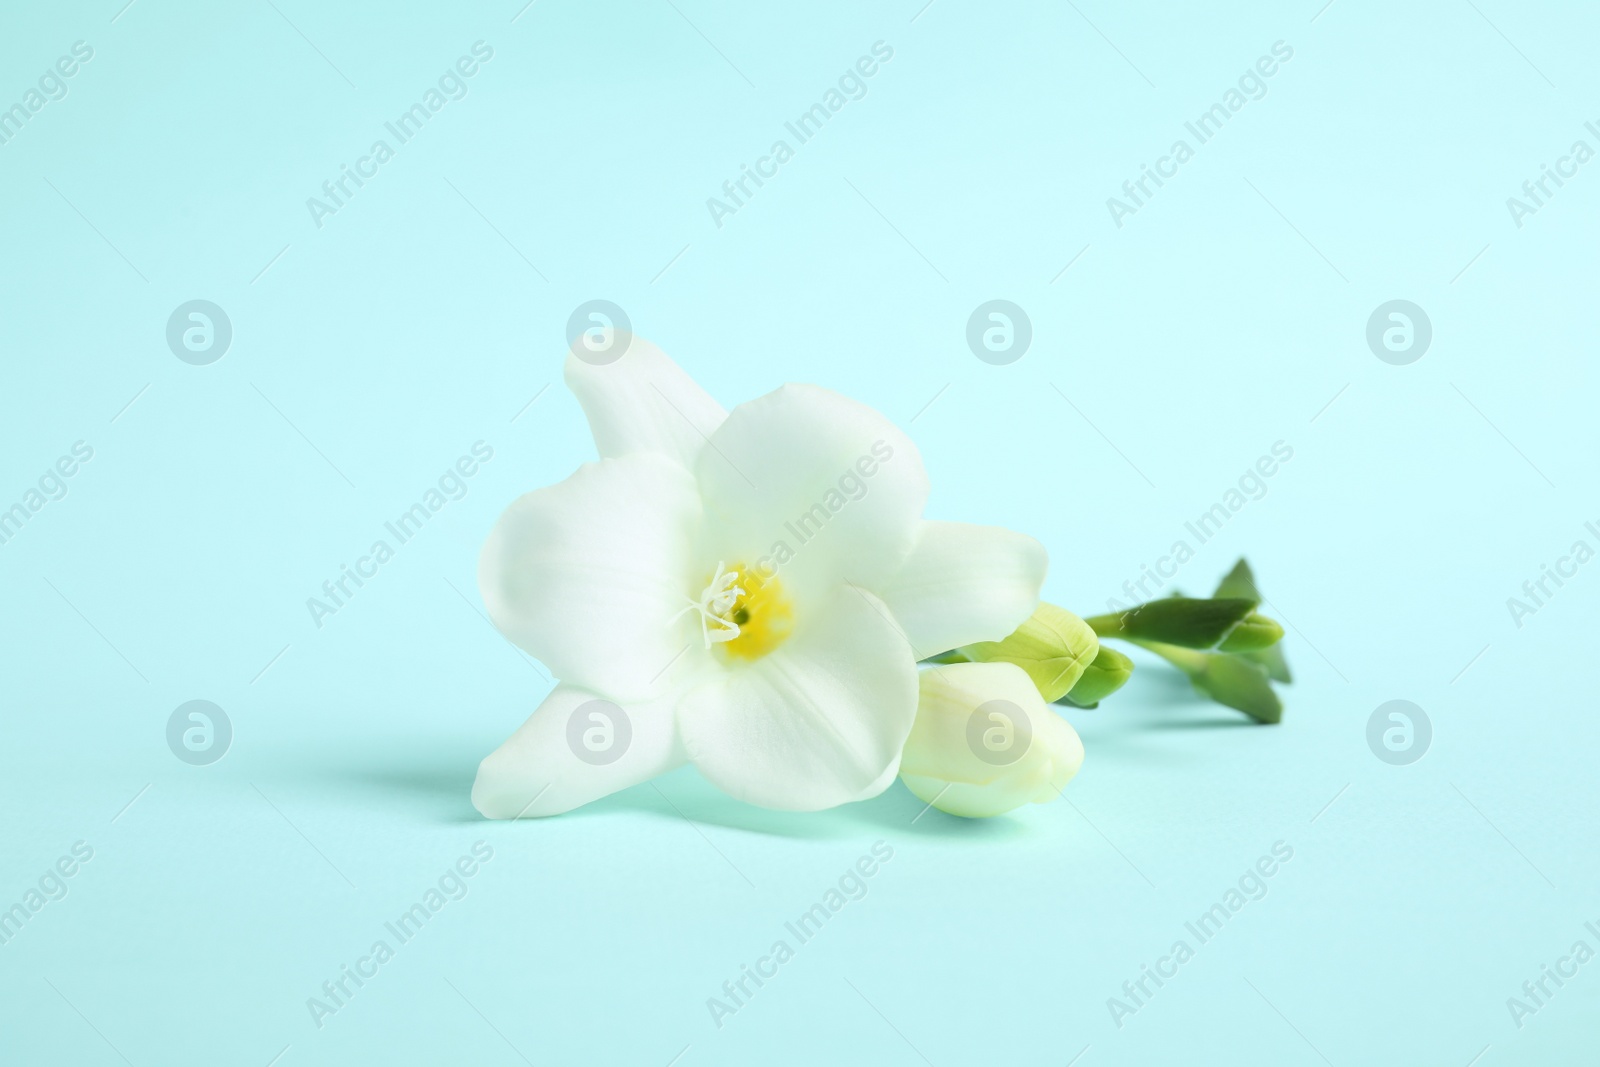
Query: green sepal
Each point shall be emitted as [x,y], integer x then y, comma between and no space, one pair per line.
[1239,683]
[1240,584]
[1271,660]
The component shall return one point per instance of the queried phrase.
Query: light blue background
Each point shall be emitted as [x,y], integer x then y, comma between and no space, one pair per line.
[1227,314]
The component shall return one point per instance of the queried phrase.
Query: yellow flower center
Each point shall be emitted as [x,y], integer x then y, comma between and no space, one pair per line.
[765,617]
[744,613]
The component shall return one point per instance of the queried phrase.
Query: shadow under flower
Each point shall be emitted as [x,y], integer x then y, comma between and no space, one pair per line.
[434,783]
[685,795]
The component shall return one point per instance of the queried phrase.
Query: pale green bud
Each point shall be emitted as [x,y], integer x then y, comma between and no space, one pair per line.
[1053,646]
[1101,678]
[1253,633]
[985,742]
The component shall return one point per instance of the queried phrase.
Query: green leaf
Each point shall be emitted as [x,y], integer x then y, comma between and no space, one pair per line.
[1100,679]
[1183,621]
[1271,659]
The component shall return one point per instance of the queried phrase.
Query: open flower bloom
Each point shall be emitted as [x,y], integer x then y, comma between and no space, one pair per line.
[748,591]
[985,742]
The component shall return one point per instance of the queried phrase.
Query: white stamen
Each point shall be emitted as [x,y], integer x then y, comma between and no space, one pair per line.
[714,605]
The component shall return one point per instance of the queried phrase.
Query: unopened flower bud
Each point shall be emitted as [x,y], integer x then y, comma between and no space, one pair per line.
[1101,678]
[1253,633]
[985,742]
[1054,646]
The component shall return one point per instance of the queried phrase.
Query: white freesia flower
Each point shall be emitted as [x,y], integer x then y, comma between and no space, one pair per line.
[752,588]
[985,742]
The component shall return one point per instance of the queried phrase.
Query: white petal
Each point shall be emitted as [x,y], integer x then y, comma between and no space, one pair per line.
[806,473]
[587,574]
[818,722]
[576,748]
[642,402]
[965,584]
